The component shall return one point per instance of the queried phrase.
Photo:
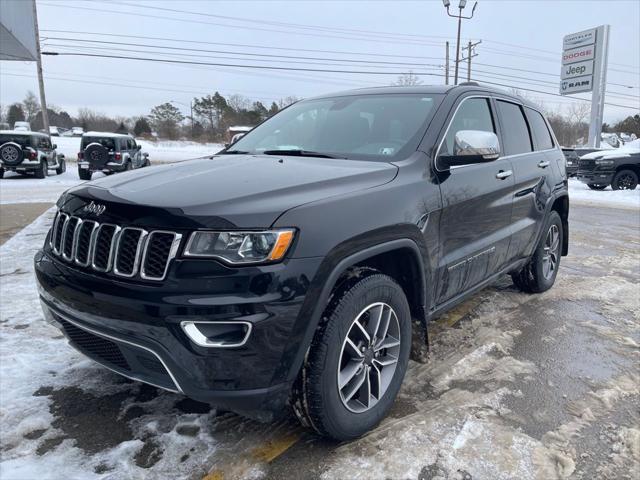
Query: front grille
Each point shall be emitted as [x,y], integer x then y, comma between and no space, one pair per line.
[105,350]
[586,164]
[105,247]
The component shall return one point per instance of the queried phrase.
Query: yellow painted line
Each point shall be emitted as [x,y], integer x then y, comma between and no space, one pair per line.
[272,449]
[453,316]
[266,452]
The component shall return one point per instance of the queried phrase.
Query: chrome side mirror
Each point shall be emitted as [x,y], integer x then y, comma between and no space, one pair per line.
[472,146]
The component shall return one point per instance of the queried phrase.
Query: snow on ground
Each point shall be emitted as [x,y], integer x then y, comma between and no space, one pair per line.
[580,193]
[28,189]
[162,151]
[37,366]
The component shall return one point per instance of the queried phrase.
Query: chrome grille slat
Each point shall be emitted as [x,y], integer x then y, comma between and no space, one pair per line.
[109,248]
[145,271]
[123,264]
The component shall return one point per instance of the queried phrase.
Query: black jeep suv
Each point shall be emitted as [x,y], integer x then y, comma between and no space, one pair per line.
[109,153]
[298,267]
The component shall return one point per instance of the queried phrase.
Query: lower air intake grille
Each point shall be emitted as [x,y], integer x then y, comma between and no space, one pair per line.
[101,348]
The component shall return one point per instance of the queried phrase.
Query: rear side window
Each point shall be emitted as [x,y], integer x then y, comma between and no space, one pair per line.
[515,132]
[541,137]
[107,142]
[473,114]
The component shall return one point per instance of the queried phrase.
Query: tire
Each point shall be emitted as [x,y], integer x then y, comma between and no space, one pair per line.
[1,172]
[62,168]
[128,166]
[147,163]
[318,399]
[594,186]
[84,174]
[625,180]
[11,154]
[538,276]
[41,171]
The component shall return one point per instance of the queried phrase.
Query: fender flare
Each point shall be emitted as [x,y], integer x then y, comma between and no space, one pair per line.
[330,282]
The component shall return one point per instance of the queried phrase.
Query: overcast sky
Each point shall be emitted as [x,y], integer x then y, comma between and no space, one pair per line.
[515,34]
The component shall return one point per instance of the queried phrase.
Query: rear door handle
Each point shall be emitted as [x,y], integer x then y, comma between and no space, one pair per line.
[502,174]
[543,163]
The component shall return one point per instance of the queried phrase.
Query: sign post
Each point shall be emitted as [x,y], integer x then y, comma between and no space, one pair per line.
[584,69]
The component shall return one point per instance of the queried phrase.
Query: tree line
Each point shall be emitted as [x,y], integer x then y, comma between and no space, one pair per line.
[206,119]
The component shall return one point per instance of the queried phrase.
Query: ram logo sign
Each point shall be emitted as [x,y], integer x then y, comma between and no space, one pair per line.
[576,85]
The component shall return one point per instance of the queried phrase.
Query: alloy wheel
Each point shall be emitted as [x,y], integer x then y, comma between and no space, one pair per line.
[551,252]
[625,182]
[369,357]
[10,155]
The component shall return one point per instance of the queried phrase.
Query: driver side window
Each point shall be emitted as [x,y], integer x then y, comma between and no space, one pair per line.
[473,114]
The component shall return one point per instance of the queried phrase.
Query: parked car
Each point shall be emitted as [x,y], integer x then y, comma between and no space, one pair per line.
[29,152]
[572,158]
[22,126]
[56,131]
[109,153]
[292,268]
[77,131]
[619,168]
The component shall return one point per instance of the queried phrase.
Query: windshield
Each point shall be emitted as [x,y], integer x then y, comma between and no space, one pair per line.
[22,140]
[107,142]
[365,127]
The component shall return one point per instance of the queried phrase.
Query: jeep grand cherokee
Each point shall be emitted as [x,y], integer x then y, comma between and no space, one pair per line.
[290,269]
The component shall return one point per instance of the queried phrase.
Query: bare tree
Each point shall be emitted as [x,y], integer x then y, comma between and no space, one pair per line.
[286,101]
[578,112]
[407,80]
[31,106]
[238,102]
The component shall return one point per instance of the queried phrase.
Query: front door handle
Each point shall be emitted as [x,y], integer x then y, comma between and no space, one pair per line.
[502,174]
[543,163]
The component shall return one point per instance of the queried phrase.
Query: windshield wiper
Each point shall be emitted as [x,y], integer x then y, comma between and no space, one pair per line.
[233,152]
[299,153]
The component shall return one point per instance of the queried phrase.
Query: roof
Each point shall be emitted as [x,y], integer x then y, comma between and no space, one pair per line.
[430,89]
[105,134]
[22,132]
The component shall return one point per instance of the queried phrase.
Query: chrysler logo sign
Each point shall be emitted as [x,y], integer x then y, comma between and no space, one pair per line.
[95,208]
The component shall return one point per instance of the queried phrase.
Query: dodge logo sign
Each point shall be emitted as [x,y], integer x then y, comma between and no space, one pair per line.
[95,208]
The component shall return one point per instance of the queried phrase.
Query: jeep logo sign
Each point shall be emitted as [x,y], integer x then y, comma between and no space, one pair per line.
[579,69]
[95,208]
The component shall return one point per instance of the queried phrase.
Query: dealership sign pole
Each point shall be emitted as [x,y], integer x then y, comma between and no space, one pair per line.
[584,69]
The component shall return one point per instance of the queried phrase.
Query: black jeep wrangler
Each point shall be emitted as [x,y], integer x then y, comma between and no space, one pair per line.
[29,152]
[109,153]
[298,267]
[619,168]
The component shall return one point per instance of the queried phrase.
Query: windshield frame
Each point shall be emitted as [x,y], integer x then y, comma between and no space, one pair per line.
[410,147]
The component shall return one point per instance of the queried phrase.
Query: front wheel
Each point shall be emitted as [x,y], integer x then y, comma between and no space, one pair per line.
[540,273]
[62,168]
[41,171]
[595,186]
[625,180]
[357,360]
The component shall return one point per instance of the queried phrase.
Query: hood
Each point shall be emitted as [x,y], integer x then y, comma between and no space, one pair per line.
[246,191]
[624,151]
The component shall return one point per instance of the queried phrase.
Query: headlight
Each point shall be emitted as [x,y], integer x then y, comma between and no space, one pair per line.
[240,247]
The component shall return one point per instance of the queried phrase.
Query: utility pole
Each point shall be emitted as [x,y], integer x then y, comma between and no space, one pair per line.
[446,65]
[43,98]
[470,54]
[459,16]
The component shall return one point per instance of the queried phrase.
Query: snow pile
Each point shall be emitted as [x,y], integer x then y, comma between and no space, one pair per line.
[581,193]
[38,370]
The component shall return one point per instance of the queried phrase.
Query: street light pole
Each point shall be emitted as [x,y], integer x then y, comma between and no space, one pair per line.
[459,16]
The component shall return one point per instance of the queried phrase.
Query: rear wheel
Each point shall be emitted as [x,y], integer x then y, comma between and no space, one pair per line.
[625,180]
[128,166]
[84,174]
[1,172]
[595,186]
[357,360]
[41,171]
[540,273]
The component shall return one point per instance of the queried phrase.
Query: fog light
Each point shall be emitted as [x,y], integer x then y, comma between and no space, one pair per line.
[217,334]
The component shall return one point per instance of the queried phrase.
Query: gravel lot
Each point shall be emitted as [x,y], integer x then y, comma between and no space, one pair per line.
[517,386]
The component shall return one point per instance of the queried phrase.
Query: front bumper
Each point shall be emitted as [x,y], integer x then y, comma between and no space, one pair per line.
[134,328]
[596,177]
